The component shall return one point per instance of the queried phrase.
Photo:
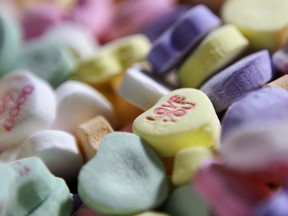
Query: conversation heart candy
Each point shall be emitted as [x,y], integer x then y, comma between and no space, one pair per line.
[256,146]
[59,202]
[28,105]
[269,104]
[181,119]
[219,48]
[9,43]
[140,89]
[257,18]
[171,47]
[34,184]
[126,177]
[57,149]
[280,59]
[91,133]
[7,188]
[187,162]
[230,84]
[184,201]
[49,60]
[77,103]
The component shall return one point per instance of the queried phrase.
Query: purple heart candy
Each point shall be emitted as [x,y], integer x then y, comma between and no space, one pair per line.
[260,106]
[172,46]
[247,74]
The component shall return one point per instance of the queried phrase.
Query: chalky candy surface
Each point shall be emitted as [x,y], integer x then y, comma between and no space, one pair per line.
[258,146]
[260,106]
[90,135]
[49,60]
[8,190]
[170,48]
[38,19]
[247,74]
[257,18]
[57,149]
[59,202]
[219,48]
[10,37]
[34,184]
[281,82]
[140,89]
[126,177]
[184,201]
[187,162]
[181,119]
[276,205]
[129,49]
[27,105]
[77,103]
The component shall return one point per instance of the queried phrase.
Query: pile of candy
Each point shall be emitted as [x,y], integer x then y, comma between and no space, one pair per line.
[143,107]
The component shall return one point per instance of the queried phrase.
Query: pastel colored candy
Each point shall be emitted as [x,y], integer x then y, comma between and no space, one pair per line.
[77,103]
[37,19]
[10,42]
[281,82]
[130,49]
[59,202]
[181,119]
[91,133]
[212,187]
[259,18]
[126,177]
[82,43]
[57,149]
[161,24]
[49,60]
[137,14]
[9,155]
[141,90]
[219,48]
[276,205]
[171,47]
[280,59]
[34,184]
[257,146]
[8,189]
[28,105]
[187,163]
[184,201]
[232,83]
[85,211]
[268,103]
[95,15]
[102,68]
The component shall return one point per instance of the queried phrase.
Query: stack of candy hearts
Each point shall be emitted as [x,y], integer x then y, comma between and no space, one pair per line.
[143,108]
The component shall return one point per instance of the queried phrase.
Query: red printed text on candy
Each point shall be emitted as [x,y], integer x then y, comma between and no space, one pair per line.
[176,106]
[12,103]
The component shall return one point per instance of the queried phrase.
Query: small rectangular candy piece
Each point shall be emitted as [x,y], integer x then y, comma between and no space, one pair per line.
[219,48]
[140,89]
[171,47]
[281,82]
[91,133]
[181,119]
